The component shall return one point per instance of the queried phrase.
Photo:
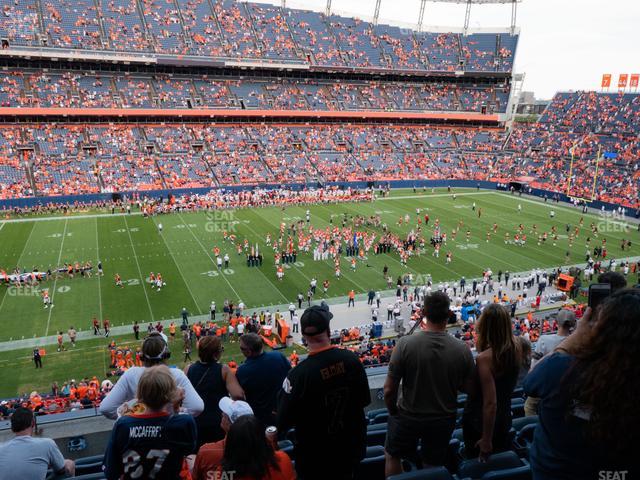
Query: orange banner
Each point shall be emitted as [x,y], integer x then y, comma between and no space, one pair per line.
[635,79]
[622,81]
[606,80]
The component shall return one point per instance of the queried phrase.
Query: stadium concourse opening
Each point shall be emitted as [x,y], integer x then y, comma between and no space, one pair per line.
[355,260]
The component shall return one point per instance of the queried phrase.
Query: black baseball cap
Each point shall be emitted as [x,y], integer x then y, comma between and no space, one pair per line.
[316,319]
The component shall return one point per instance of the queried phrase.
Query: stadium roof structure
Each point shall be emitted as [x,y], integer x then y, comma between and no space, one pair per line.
[468,3]
[423,7]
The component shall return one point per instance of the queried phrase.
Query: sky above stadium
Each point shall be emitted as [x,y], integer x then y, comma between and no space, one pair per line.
[564,44]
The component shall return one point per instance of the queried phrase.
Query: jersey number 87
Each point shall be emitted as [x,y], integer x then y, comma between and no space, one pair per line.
[134,467]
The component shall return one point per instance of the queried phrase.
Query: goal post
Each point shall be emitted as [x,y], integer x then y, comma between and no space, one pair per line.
[570,179]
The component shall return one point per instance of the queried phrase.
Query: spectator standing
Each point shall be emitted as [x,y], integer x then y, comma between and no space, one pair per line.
[185,316]
[209,458]
[37,358]
[149,441]
[295,323]
[588,415]
[486,420]
[324,399]
[136,330]
[432,366]
[546,345]
[261,376]
[27,458]
[212,381]
[154,352]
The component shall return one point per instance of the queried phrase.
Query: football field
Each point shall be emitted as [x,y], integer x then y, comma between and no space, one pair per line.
[132,246]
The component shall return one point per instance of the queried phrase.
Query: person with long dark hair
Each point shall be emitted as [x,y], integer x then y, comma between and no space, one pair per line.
[588,415]
[249,453]
[487,414]
[212,381]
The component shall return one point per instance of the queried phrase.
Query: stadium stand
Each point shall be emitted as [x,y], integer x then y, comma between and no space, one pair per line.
[229,29]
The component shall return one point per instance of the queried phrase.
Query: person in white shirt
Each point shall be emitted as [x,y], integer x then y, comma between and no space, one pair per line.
[295,323]
[155,351]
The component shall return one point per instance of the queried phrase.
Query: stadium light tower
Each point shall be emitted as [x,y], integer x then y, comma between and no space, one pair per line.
[423,7]
[328,9]
[376,14]
[467,14]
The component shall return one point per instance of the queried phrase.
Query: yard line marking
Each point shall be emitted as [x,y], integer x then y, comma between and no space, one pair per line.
[55,281]
[139,270]
[2,225]
[97,274]
[208,254]
[181,274]
[6,290]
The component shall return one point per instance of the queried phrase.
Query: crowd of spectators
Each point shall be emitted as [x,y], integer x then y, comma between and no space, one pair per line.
[60,159]
[37,88]
[230,29]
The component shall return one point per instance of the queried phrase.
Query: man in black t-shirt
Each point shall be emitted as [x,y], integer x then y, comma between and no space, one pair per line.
[324,399]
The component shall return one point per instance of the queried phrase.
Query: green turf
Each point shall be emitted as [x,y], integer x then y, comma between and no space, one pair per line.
[88,358]
[133,247]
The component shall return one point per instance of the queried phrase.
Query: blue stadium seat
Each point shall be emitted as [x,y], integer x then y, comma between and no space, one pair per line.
[374,451]
[87,465]
[380,418]
[475,469]
[518,473]
[89,476]
[286,446]
[523,440]
[434,473]
[377,426]
[517,407]
[454,458]
[376,437]
[519,423]
[371,468]
[371,414]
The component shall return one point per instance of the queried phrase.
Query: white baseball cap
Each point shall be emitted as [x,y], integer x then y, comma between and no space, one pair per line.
[234,409]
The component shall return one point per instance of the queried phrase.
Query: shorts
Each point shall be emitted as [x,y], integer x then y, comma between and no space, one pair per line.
[404,433]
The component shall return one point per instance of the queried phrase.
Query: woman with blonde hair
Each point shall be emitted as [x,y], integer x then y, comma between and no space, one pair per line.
[486,420]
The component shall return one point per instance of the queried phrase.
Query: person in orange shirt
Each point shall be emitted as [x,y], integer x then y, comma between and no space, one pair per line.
[245,436]
[352,299]
[172,331]
[60,342]
[293,358]
[118,280]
